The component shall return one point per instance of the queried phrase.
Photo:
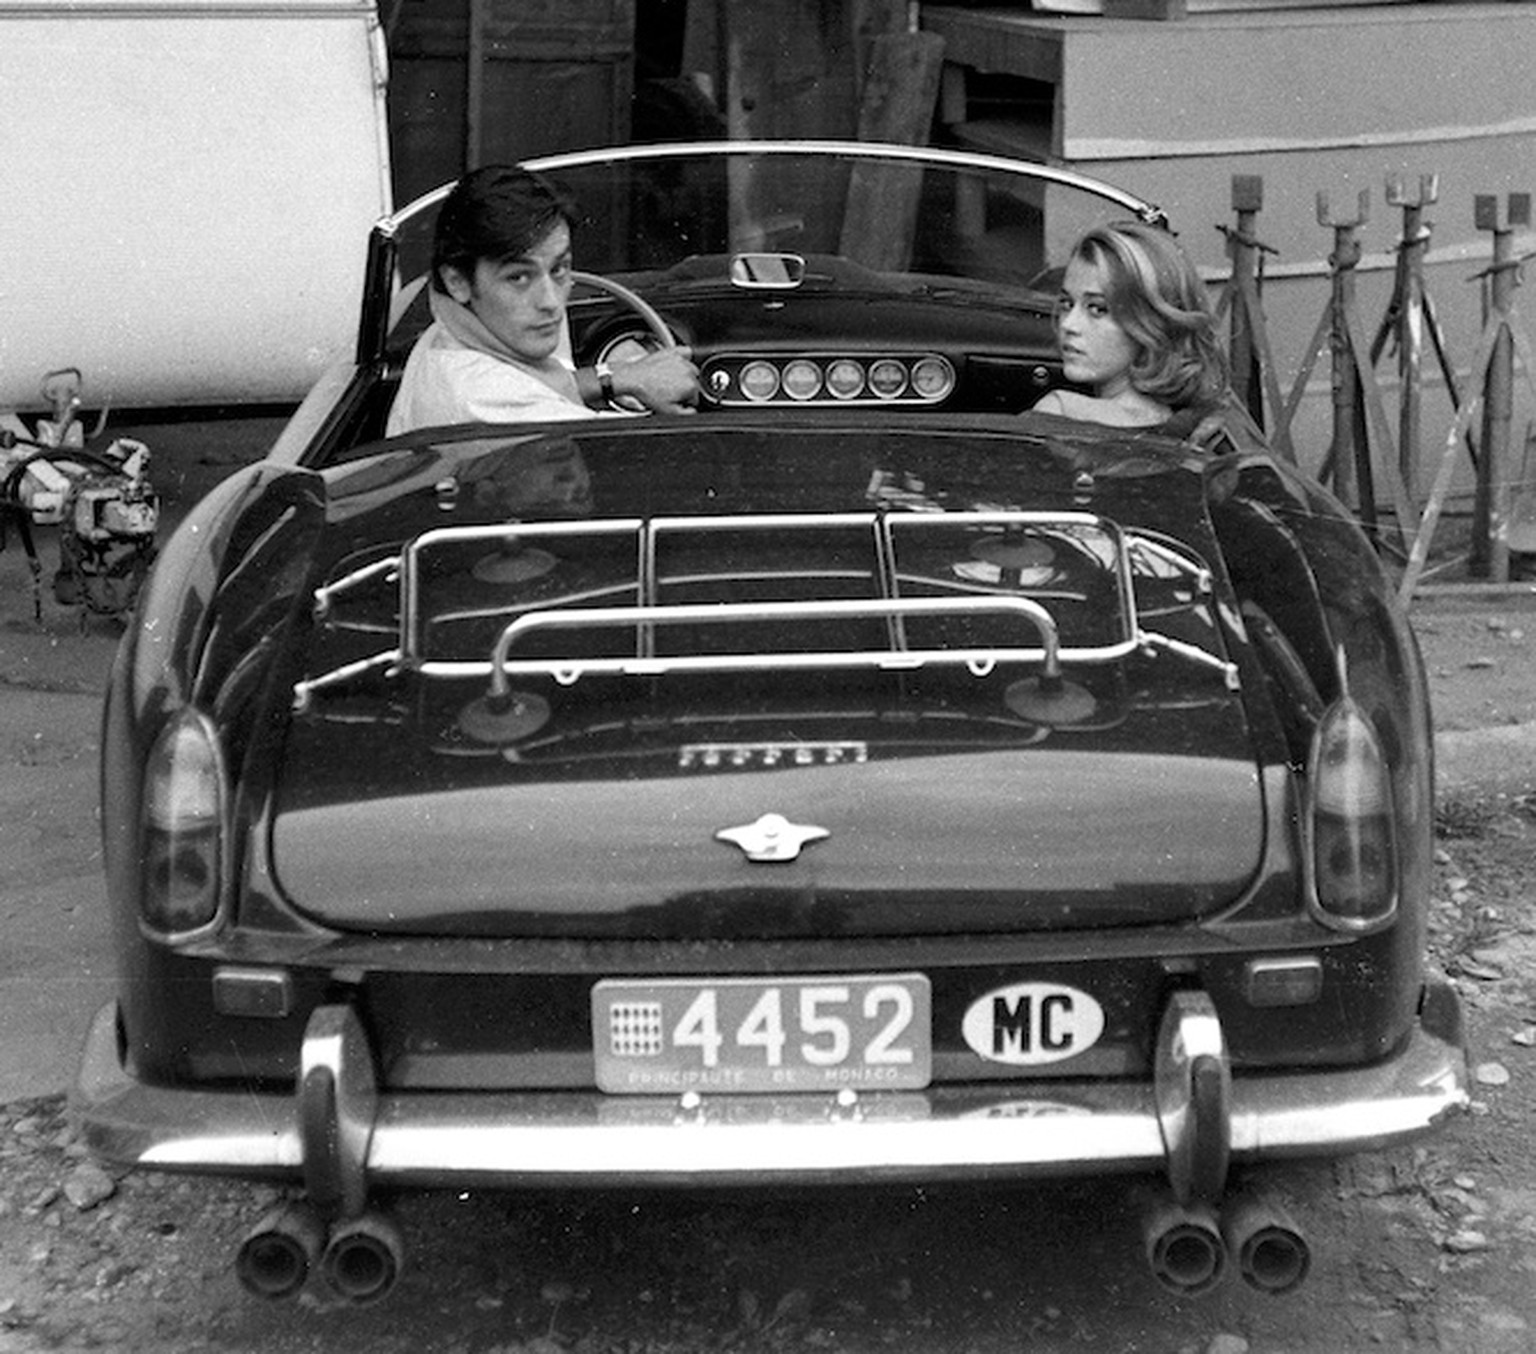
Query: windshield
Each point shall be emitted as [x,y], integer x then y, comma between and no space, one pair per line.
[785,216]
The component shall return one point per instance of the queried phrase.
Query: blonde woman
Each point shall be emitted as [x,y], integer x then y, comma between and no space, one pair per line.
[1136,330]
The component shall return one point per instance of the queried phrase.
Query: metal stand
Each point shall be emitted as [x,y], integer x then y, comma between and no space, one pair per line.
[1492,380]
[1490,510]
[1409,319]
[1359,415]
[1251,359]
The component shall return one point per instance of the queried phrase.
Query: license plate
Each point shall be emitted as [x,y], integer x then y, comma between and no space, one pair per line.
[756,1035]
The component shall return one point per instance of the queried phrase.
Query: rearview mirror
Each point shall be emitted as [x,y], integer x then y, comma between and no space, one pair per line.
[774,271]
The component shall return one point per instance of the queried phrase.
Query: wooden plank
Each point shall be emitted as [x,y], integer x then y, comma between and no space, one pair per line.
[1182,9]
[491,81]
[1145,9]
[901,88]
[789,69]
[564,30]
[1213,69]
[869,20]
[789,72]
[901,91]
[1000,42]
[474,99]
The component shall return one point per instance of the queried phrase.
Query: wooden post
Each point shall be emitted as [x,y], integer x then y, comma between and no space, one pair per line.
[869,21]
[474,84]
[790,69]
[901,90]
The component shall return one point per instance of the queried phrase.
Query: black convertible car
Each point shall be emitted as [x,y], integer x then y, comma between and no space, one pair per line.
[860,779]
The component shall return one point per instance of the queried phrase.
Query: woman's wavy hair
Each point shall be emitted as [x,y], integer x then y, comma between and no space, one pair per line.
[1157,297]
[497,212]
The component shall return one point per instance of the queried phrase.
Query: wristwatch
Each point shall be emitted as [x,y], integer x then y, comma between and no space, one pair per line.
[604,374]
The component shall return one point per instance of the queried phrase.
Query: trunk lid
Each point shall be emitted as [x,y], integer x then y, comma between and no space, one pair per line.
[807,683]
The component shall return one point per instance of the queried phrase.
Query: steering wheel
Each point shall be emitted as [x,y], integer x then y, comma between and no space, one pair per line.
[635,302]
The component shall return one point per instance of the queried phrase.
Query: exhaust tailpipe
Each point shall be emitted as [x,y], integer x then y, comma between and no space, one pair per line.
[279,1252]
[1272,1254]
[364,1258]
[1184,1246]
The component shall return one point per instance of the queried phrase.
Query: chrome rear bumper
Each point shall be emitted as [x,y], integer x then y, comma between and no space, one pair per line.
[341,1137]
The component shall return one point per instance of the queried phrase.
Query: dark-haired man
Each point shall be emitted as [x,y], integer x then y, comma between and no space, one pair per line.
[497,350]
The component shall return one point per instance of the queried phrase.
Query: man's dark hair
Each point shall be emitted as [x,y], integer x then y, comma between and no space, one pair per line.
[496,212]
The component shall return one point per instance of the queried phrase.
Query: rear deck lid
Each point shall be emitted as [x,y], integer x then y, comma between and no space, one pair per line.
[959,683]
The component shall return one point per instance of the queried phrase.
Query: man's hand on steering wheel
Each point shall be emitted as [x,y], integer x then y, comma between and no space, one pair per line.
[665,382]
[633,375]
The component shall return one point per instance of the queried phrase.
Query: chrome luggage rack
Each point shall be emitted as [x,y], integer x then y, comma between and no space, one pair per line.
[1108,549]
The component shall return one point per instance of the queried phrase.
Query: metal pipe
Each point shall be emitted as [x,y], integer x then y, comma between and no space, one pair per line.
[1272,1254]
[1184,1245]
[980,660]
[363,1261]
[279,1253]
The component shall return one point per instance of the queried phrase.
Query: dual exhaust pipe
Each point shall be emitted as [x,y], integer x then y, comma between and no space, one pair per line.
[1189,1246]
[359,1259]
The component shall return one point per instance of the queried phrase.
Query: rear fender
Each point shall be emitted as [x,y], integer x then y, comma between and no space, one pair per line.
[253,515]
[227,585]
[1324,585]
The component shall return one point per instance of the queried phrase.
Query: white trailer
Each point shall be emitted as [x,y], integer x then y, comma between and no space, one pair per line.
[185,193]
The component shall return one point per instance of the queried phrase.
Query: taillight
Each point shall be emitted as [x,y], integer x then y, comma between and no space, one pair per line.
[1353,852]
[183,842]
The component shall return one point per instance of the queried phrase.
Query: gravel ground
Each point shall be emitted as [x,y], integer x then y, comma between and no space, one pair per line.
[1430,1248]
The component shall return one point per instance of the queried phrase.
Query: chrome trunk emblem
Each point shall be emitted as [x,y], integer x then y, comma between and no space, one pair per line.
[772,837]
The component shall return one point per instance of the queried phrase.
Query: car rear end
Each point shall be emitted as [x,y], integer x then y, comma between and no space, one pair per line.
[818,803]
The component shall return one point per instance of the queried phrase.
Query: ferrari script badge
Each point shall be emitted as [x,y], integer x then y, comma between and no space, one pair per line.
[772,837]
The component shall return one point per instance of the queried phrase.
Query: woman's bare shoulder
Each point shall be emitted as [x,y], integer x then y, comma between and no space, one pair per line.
[1090,409]
[1070,404]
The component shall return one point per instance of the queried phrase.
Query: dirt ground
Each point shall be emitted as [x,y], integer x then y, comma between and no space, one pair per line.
[1427,1248]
